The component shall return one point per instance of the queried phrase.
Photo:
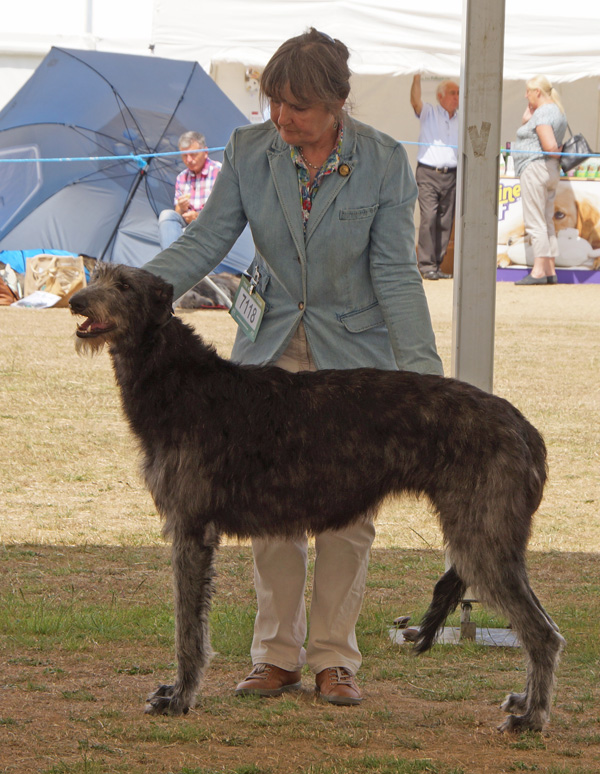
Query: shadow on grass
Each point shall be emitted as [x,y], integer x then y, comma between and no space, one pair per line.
[86,632]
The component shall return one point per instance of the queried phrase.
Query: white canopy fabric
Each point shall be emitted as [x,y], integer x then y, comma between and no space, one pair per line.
[390,40]
[386,37]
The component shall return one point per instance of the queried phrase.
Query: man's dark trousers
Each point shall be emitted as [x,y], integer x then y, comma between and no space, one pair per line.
[437,199]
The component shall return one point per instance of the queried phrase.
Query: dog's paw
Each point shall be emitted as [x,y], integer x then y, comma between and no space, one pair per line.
[517,724]
[514,702]
[166,701]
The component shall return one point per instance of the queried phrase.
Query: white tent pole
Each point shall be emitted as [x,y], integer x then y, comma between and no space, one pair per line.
[89,17]
[219,291]
[477,192]
[476,229]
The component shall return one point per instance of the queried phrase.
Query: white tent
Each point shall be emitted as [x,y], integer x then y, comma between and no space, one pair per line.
[390,40]
[387,37]
[29,30]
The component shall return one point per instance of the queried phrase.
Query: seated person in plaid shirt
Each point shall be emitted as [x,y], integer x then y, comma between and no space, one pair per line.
[192,188]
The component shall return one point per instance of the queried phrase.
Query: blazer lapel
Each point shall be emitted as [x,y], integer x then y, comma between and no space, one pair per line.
[332,184]
[285,179]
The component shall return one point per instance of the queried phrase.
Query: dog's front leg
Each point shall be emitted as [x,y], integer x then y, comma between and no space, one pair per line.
[193,583]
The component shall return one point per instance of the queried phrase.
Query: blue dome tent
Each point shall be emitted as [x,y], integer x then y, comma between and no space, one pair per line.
[96,107]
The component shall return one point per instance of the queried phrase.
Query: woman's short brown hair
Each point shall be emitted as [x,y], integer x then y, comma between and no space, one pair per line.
[314,65]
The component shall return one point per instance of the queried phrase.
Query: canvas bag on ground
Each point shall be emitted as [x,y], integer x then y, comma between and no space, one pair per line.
[575,144]
[62,275]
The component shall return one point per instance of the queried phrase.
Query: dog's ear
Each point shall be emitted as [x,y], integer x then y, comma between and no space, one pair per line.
[588,223]
[164,293]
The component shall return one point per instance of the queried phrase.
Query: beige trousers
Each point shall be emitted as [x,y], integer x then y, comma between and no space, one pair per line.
[539,181]
[280,568]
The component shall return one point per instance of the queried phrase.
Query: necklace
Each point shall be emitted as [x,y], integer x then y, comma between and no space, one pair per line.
[307,162]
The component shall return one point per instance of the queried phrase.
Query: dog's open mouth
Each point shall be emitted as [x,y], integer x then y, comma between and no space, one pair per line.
[90,328]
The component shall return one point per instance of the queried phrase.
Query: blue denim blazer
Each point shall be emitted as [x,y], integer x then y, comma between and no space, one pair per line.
[352,278]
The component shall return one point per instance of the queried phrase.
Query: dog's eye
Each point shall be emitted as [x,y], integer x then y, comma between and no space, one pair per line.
[122,286]
[558,215]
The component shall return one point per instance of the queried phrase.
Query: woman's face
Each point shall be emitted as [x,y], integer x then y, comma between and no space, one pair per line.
[300,123]
[533,98]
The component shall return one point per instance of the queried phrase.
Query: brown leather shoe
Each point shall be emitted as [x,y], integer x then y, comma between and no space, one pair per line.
[269,680]
[337,686]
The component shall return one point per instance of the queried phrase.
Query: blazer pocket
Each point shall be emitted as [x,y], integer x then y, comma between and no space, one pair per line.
[362,319]
[359,214]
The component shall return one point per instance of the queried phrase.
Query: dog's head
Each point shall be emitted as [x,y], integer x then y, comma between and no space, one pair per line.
[577,212]
[565,208]
[120,305]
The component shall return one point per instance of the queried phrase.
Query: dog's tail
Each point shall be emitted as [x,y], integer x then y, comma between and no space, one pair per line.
[447,593]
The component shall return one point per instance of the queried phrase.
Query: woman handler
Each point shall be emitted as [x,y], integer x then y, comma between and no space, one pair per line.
[330,202]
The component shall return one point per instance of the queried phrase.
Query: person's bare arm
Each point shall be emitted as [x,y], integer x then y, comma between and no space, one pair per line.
[547,138]
[415,95]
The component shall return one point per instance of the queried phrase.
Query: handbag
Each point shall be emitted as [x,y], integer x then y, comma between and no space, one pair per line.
[576,144]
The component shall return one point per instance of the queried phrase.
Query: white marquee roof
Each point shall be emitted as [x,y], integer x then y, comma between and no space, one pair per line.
[385,36]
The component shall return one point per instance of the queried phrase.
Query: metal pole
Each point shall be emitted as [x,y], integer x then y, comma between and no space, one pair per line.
[139,177]
[221,293]
[477,192]
[476,229]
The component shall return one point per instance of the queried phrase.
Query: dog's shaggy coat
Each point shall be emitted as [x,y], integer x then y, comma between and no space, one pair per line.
[257,451]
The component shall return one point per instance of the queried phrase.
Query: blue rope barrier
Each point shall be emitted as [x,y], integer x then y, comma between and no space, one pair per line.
[549,153]
[510,150]
[139,158]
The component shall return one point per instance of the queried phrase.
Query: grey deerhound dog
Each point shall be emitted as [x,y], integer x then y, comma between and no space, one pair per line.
[257,451]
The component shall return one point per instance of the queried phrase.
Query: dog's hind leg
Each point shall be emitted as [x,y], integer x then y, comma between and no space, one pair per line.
[193,585]
[542,644]
[500,581]
[545,612]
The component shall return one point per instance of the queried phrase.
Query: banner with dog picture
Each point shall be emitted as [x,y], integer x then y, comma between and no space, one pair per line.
[576,219]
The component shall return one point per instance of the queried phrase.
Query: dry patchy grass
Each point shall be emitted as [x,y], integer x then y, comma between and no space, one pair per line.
[86,629]
[70,467]
[87,632]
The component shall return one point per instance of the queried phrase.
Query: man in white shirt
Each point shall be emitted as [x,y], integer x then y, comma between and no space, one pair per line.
[437,160]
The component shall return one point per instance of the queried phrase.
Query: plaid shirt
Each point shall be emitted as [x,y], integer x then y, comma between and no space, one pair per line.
[308,192]
[198,186]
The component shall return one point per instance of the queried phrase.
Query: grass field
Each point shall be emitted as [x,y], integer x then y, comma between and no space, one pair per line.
[86,628]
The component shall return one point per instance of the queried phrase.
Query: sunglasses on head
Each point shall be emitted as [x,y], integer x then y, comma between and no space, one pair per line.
[326,38]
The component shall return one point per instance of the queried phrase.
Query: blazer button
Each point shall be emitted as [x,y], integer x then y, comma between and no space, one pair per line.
[301,305]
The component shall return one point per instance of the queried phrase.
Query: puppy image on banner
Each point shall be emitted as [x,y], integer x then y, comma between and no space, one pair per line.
[576,214]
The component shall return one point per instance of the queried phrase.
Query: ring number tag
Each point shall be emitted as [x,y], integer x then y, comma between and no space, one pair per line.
[247,309]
